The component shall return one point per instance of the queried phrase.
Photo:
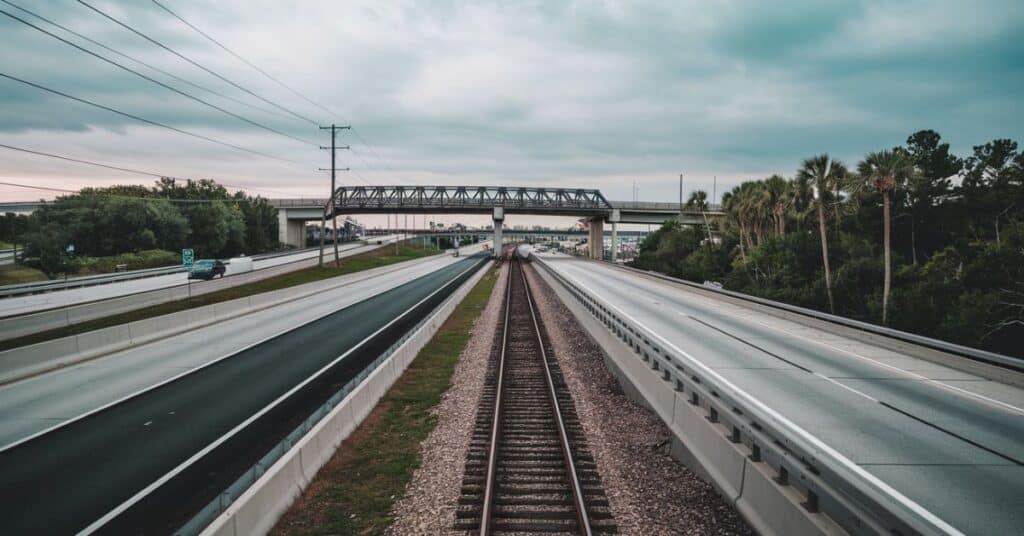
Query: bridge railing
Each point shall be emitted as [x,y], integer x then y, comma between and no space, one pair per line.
[667,207]
[828,481]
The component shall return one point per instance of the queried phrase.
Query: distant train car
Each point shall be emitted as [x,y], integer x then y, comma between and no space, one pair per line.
[524,251]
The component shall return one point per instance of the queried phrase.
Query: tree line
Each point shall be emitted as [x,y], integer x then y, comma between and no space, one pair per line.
[913,237]
[171,215]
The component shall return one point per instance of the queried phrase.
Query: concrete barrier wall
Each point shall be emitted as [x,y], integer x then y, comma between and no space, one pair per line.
[25,361]
[19,326]
[256,510]
[704,437]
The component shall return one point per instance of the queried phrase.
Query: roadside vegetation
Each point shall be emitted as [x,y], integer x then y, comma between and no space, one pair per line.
[119,220]
[354,492]
[372,259]
[12,274]
[912,237]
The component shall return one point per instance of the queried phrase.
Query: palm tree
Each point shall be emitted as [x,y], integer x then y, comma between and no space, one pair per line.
[885,170]
[823,174]
[731,206]
[780,198]
[699,200]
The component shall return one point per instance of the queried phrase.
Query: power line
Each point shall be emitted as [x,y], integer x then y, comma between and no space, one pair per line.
[193,62]
[279,82]
[240,58]
[143,63]
[155,81]
[127,170]
[147,121]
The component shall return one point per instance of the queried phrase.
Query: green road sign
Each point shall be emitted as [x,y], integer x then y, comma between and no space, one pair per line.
[187,258]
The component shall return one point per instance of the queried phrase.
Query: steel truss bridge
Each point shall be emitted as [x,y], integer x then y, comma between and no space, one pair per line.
[470,199]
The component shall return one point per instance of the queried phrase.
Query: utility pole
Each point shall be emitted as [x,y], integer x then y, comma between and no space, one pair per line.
[330,201]
[680,197]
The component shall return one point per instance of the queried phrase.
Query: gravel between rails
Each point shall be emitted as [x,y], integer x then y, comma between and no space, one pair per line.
[649,492]
[430,500]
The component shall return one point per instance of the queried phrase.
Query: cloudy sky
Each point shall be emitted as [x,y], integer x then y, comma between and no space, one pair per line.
[582,94]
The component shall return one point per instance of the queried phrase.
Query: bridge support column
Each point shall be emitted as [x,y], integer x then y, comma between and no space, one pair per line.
[291,232]
[596,238]
[499,218]
[615,234]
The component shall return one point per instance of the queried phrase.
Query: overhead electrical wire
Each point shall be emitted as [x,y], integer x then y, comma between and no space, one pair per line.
[128,170]
[148,121]
[145,64]
[279,82]
[157,82]
[193,62]
[116,196]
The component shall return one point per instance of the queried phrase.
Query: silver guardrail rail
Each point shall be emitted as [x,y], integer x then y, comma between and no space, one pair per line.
[830,483]
[36,287]
[975,354]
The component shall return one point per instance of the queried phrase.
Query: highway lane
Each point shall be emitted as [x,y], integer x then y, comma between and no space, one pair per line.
[61,481]
[951,441]
[35,404]
[20,305]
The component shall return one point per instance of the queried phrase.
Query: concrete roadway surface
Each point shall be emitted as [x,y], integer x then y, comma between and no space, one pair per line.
[19,305]
[951,441]
[63,480]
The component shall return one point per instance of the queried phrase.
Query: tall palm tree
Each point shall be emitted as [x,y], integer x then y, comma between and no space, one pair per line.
[731,206]
[780,199]
[886,170]
[699,200]
[823,174]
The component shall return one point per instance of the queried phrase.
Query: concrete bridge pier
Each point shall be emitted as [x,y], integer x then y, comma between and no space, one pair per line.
[614,219]
[499,217]
[290,231]
[596,238]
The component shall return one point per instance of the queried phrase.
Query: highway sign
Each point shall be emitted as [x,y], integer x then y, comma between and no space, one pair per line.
[187,258]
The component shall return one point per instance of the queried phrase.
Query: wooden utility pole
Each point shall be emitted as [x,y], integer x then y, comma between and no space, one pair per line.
[330,201]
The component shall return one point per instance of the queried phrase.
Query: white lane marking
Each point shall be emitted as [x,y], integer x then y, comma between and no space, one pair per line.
[807,436]
[96,525]
[442,262]
[958,390]
[914,375]
[147,423]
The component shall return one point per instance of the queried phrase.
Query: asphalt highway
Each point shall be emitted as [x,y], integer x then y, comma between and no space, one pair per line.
[19,305]
[951,441]
[63,480]
[35,404]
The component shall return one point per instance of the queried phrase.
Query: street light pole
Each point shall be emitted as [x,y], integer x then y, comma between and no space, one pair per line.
[680,194]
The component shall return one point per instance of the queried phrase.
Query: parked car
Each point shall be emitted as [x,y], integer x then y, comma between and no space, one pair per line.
[207,269]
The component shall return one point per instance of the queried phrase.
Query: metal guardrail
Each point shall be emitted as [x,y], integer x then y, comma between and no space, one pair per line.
[830,482]
[36,287]
[975,354]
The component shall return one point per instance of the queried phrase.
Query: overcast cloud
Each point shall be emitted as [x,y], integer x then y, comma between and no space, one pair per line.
[593,94]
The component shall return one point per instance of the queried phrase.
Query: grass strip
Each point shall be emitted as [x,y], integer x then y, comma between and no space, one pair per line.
[364,261]
[354,492]
[12,274]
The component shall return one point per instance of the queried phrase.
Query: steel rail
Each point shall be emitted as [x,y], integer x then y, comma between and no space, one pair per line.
[492,453]
[582,518]
[577,489]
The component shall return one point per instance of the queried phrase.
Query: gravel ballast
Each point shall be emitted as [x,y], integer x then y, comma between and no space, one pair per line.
[649,492]
[430,500]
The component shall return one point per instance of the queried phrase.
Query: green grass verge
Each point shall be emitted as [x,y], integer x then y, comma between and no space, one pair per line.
[354,492]
[11,274]
[364,261]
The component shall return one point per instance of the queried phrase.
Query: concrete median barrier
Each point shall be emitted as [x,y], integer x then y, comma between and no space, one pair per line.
[26,361]
[256,510]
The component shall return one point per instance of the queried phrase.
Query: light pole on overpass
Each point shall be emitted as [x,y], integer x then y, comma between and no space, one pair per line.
[680,197]
[330,200]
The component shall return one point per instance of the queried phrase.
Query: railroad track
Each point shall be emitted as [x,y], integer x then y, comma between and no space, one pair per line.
[529,468]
